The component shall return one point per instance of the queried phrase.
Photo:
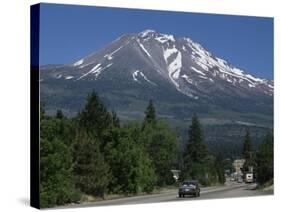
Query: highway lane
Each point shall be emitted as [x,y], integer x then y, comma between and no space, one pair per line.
[228,191]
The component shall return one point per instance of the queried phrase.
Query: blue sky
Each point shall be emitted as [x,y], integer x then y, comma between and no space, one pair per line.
[68,33]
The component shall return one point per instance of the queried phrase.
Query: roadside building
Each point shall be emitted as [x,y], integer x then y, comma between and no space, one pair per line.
[238,167]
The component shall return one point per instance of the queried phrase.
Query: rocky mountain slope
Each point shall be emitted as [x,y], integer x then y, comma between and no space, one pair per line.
[180,75]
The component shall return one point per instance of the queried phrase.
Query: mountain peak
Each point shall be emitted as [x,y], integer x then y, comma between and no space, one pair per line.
[151,64]
[185,64]
[147,32]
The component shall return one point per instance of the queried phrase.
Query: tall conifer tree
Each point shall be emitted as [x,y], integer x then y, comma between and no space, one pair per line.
[94,118]
[196,150]
[248,152]
[264,161]
[150,113]
[90,169]
[198,163]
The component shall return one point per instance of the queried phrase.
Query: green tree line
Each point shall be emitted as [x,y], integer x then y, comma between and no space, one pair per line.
[261,160]
[94,154]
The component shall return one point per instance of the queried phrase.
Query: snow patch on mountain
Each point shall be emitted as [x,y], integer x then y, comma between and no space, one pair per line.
[198,71]
[165,38]
[175,66]
[187,91]
[169,37]
[146,32]
[109,56]
[96,70]
[96,67]
[78,63]
[139,73]
[225,70]
[251,85]
[254,78]
[187,79]
[270,86]
[229,79]
[161,39]
[145,51]
[235,70]
[168,52]
[135,74]
[59,76]
[87,64]
[207,62]
[69,77]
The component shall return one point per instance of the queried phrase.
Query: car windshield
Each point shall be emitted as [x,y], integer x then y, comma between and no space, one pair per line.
[189,184]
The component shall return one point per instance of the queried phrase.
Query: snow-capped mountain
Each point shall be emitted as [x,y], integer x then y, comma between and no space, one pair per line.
[149,64]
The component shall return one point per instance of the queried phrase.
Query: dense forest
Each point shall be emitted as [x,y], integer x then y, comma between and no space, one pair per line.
[94,154]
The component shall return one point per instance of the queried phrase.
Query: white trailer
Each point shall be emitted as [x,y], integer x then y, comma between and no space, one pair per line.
[249,178]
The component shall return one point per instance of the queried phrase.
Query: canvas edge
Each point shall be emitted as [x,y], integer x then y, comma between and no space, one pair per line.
[35,107]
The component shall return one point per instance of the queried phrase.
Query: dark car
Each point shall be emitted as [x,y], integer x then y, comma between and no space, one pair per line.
[190,187]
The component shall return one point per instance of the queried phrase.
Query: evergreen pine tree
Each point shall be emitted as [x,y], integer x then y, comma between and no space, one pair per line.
[220,171]
[247,147]
[94,118]
[59,114]
[160,143]
[150,113]
[198,163]
[247,152]
[264,161]
[196,150]
[90,169]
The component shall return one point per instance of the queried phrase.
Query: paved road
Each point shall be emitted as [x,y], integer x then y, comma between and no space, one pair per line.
[228,191]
